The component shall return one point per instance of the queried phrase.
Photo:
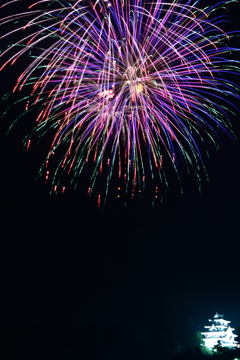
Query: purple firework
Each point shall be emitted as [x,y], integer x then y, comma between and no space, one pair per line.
[123,87]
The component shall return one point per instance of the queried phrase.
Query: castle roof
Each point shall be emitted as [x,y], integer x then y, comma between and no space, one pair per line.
[219,330]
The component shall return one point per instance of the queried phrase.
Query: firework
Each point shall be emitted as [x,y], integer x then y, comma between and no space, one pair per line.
[123,87]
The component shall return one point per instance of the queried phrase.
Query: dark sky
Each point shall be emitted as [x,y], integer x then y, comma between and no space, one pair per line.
[118,283]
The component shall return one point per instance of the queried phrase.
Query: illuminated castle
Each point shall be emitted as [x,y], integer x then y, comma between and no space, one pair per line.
[219,333]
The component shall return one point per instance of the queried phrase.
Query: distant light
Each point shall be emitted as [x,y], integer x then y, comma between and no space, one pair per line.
[219,334]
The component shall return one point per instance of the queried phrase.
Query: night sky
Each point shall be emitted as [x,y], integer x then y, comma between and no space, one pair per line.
[121,282]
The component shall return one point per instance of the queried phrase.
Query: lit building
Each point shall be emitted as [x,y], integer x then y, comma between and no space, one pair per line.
[219,333]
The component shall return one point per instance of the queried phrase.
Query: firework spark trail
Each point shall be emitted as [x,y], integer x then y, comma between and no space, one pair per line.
[121,82]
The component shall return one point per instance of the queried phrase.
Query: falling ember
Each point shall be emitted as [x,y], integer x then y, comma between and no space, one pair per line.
[27,105]
[47,176]
[28,144]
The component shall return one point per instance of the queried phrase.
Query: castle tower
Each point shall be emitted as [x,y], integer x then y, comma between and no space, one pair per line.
[219,333]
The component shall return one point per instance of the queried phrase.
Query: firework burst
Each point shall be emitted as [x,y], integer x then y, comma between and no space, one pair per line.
[123,88]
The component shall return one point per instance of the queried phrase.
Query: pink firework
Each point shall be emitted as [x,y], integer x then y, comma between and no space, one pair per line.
[123,87]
